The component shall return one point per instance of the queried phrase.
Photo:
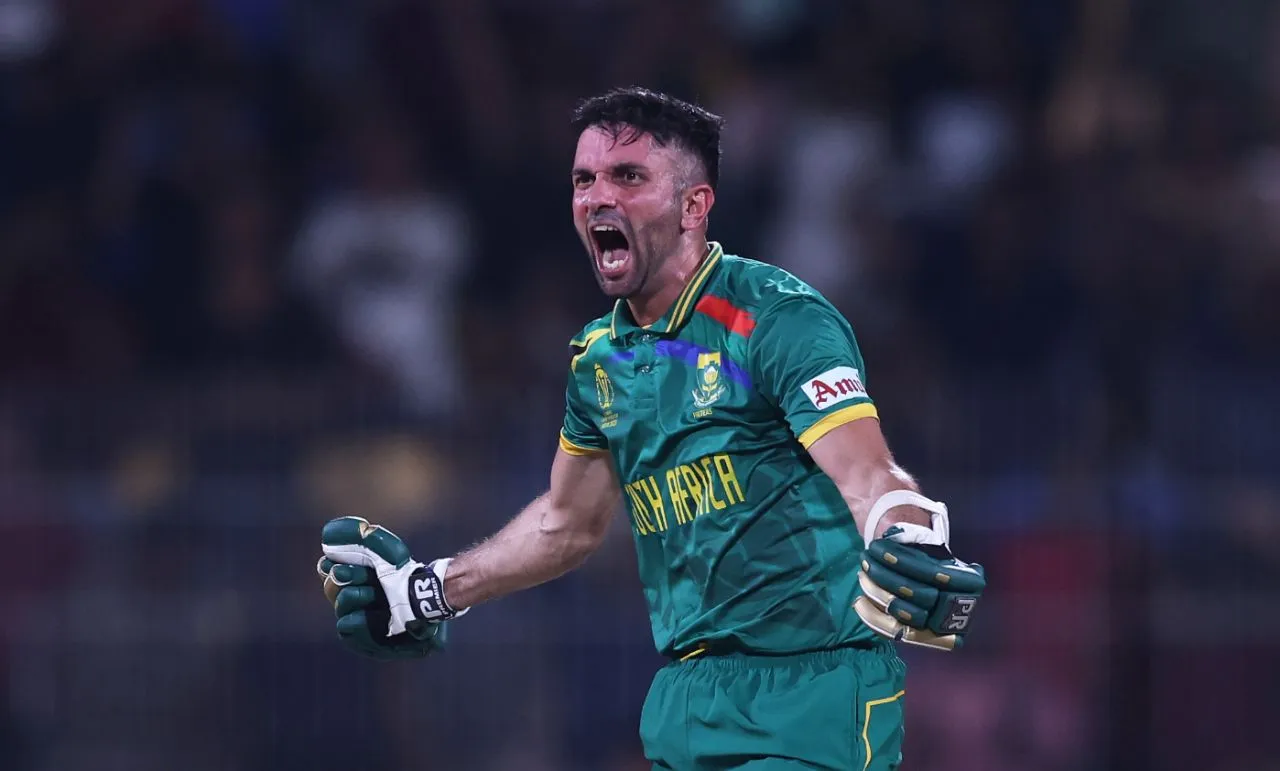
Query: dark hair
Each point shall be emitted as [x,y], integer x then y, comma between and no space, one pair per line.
[627,113]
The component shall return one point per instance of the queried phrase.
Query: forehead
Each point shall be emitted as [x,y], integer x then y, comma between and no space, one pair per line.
[599,149]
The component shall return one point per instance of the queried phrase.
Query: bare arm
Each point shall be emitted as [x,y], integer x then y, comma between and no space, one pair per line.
[891,599]
[857,458]
[551,536]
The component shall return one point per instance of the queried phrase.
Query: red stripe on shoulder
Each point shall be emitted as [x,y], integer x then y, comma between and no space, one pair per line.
[737,320]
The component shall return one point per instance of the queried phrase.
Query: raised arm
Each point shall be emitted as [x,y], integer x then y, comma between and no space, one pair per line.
[551,536]
[390,605]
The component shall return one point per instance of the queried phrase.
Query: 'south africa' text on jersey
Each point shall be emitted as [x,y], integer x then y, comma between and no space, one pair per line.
[679,494]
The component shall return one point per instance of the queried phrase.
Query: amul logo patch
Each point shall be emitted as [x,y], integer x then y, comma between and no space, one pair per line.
[839,384]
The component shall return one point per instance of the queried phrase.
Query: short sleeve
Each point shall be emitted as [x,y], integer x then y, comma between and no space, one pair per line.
[806,360]
[579,435]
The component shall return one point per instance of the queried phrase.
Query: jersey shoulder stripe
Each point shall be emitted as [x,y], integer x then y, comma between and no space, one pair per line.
[749,291]
[738,321]
[579,348]
[584,341]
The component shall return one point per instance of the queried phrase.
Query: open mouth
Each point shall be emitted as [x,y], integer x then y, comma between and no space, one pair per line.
[613,253]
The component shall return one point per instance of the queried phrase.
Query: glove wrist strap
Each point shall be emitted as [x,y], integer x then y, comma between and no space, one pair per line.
[939,520]
[427,589]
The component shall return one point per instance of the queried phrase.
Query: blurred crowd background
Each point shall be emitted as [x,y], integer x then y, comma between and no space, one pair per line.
[265,262]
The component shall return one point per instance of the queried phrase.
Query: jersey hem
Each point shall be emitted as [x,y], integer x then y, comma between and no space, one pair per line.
[836,419]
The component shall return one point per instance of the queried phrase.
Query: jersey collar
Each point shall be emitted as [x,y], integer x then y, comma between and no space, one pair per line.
[680,311]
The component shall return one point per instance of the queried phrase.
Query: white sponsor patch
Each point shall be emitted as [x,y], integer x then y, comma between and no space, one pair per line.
[839,384]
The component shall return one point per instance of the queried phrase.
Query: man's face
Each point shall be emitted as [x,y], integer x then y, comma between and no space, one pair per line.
[627,207]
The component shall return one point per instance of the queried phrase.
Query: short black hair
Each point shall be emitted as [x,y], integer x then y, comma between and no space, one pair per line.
[629,112]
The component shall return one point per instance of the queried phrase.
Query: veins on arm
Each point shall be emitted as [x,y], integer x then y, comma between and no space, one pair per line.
[551,536]
[857,458]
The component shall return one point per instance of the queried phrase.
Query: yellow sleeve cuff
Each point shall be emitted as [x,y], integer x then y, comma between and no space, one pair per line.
[577,449]
[836,419]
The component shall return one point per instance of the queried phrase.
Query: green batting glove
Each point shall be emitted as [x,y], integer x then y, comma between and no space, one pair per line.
[414,591]
[363,616]
[914,590]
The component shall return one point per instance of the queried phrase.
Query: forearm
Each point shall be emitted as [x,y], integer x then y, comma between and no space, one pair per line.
[536,546]
[861,490]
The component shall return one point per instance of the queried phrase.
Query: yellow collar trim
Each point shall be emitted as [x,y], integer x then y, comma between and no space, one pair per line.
[684,303]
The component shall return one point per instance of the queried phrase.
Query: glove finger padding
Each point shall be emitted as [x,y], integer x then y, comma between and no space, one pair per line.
[890,627]
[360,631]
[959,583]
[352,575]
[336,576]
[353,598]
[903,610]
[917,592]
[920,594]
[943,571]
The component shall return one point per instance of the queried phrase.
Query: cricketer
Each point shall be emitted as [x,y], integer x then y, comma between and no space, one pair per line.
[724,402]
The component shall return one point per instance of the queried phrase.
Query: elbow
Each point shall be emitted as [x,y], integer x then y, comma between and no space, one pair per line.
[589,538]
[582,547]
[572,544]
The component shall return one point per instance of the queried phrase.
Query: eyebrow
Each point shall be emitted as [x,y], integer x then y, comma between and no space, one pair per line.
[617,168]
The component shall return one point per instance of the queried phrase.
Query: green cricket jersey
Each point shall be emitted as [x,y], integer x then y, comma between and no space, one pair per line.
[707,415]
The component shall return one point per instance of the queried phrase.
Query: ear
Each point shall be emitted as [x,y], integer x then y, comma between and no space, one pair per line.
[696,206]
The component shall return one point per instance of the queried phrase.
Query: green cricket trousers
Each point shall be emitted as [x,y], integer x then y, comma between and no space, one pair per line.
[838,709]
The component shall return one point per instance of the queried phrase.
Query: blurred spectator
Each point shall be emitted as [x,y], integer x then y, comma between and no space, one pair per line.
[383,260]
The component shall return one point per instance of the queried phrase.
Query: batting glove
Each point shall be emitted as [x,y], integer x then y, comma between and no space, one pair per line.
[412,592]
[364,616]
[914,590]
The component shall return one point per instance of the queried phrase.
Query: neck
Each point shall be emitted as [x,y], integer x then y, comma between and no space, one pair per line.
[671,280]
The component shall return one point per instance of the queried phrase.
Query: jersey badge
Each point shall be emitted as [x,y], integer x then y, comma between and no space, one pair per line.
[605,395]
[710,382]
[604,388]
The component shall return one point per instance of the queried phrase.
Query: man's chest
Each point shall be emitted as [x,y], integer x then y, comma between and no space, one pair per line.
[689,395]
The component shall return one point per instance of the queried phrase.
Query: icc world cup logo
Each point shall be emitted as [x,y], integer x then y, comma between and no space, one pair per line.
[604,388]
